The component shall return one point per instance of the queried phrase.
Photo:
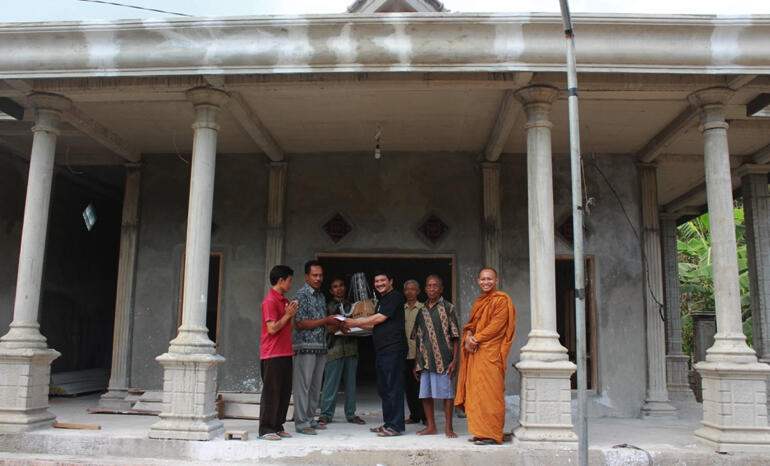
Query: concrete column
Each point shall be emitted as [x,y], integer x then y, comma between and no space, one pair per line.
[492,223]
[276,201]
[190,366]
[656,402]
[676,360]
[25,359]
[734,383]
[114,399]
[546,417]
[756,211]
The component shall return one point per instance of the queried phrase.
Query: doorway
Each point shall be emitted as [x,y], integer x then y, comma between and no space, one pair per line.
[565,315]
[403,267]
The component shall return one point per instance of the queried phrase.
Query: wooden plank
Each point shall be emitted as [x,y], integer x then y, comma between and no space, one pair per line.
[64,425]
[236,435]
[241,397]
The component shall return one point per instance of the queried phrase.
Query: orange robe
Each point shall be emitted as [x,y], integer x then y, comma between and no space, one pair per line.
[481,382]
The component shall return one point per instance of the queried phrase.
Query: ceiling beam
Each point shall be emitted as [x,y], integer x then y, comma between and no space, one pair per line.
[254,127]
[682,122]
[509,112]
[101,134]
[762,156]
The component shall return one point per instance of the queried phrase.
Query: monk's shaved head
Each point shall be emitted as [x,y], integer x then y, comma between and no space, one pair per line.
[490,269]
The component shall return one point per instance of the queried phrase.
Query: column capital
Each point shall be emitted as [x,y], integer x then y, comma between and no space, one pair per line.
[48,110]
[711,96]
[486,165]
[281,164]
[537,94]
[752,169]
[207,96]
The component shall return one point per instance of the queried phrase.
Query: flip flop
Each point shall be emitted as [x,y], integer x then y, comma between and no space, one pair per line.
[284,434]
[377,429]
[318,426]
[272,437]
[307,431]
[473,439]
[485,441]
[388,432]
[356,420]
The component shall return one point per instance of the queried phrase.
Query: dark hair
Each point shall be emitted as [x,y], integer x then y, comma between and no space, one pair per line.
[433,275]
[382,272]
[336,278]
[488,268]
[311,263]
[278,272]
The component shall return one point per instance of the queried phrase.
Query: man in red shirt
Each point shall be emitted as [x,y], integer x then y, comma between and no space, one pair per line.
[276,354]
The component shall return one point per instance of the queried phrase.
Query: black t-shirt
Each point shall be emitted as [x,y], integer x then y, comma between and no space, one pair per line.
[390,335]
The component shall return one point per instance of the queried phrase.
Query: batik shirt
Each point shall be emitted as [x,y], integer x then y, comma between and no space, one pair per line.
[434,329]
[340,346]
[312,305]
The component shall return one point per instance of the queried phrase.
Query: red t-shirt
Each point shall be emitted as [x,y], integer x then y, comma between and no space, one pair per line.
[278,345]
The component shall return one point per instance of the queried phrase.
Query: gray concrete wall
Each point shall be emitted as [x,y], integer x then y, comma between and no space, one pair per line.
[239,234]
[617,285]
[385,201]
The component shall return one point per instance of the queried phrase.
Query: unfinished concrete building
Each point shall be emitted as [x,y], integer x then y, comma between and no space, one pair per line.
[432,142]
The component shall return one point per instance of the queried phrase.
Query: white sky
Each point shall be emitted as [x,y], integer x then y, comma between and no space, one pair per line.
[54,10]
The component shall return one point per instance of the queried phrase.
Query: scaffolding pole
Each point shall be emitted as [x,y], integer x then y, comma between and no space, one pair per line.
[577,228]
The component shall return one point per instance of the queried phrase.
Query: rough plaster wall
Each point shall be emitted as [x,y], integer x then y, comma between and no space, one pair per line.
[240,192]
[13,183]
[385,201]
[618,280]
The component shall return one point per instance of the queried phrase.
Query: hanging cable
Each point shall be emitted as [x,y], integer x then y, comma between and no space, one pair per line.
[136,7]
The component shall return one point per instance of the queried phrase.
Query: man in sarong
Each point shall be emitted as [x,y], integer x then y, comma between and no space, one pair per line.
[487,339]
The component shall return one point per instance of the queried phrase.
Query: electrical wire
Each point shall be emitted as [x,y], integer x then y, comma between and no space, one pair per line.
[103,2]
[645,260]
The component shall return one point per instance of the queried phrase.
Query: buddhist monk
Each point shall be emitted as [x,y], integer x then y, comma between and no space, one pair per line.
[487,338]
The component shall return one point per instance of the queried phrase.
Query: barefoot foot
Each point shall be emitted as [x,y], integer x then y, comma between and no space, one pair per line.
[427,431]
[450,434]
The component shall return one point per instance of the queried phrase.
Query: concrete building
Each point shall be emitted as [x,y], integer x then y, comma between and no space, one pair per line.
[212,149]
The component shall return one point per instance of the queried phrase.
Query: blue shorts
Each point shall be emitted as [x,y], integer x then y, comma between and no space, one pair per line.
[433,385]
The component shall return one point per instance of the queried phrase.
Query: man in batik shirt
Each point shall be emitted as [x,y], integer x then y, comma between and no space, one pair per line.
[438,343]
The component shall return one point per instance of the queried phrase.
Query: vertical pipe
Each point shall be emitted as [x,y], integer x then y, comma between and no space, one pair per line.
[577,227]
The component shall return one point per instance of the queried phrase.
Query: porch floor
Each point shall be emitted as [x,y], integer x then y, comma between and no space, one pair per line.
[123,439]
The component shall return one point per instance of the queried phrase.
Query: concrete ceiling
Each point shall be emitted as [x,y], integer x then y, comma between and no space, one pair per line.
[620,114]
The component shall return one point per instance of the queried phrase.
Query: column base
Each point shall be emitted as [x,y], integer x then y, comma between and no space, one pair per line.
[677,382]
[25,375]
[115,400]
[546,411]
[189,392]
[734,406]
[658,408]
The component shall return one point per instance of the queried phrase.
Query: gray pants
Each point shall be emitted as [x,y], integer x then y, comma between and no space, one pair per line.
[308,374]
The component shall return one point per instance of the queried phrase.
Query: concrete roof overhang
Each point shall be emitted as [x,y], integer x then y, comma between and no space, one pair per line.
[432,82]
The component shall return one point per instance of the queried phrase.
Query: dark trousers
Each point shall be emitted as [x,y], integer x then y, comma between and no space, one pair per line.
[412,390]
[276,393]
[390,386]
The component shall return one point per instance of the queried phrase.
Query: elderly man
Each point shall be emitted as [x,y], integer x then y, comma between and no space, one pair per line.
[438,342]
[341,361]
[390,348]
[309,343]
[487,340]
[411,384]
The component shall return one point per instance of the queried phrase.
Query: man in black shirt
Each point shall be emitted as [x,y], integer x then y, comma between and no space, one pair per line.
[390,347]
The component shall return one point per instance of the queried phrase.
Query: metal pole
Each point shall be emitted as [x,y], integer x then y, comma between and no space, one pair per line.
[577,227]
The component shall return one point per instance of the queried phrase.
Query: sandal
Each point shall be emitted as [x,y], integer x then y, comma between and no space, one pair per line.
[485,441]
[315,425]
[473,439]
[377,430]
[307,431]
[324,420]
[284,434]
[388,432]
[272,437]
[356,420]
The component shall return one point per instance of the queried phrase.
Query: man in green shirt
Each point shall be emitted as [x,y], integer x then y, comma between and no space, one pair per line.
[341,360]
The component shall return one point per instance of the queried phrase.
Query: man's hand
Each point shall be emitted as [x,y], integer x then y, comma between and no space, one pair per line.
[416,374]
[291,308]
[471,344]
[451,369]
[333,320]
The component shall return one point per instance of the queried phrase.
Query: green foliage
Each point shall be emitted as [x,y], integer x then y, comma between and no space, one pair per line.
[696,283]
